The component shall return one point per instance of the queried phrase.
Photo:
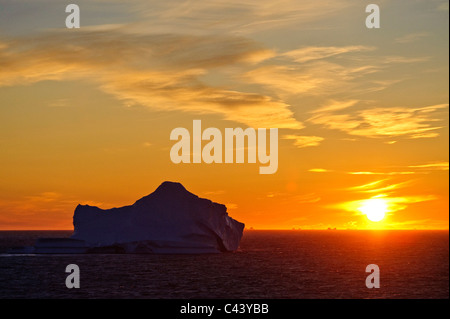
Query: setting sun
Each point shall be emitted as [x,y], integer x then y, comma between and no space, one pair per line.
[375,209]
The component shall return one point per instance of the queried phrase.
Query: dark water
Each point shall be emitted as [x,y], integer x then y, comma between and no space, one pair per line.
[269,264]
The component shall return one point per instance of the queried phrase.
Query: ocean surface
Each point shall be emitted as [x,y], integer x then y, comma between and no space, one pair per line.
[269,265]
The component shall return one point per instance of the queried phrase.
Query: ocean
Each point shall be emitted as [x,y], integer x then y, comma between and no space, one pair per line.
[300,264]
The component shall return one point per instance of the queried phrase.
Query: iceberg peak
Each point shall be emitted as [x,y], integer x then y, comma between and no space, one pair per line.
[173,189]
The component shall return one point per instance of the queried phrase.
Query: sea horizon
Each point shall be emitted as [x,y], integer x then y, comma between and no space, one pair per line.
[270,264]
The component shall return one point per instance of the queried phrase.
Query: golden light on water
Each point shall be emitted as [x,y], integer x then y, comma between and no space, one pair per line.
[375,209]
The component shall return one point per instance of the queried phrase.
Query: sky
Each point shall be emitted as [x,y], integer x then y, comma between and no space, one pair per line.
[362,114]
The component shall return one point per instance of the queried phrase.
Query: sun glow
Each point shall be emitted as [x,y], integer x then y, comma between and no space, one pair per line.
[375,209]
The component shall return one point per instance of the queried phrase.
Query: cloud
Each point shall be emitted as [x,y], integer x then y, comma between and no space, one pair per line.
[329,70]
[304,141]
[42,203]
[382,173]
[45,210]
[325,71]
[298,199]
[378,187]
[400,203]
[319,170]
[433,166]
[59,103]
[232,16]
[380,121]
[218,192]
[158,71]
[206,74]
[402,59]
[335,106]
[287,80]
[314,74]
[312,53]
[406,170]
[44,197]
[366,186]
[412,37]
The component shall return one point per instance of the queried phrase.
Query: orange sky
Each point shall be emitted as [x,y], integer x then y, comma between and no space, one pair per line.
[86,114]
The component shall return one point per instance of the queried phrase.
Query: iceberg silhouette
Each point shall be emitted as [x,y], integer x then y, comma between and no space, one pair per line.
[169,220]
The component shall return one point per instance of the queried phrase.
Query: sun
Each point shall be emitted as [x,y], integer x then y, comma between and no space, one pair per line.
[375,209]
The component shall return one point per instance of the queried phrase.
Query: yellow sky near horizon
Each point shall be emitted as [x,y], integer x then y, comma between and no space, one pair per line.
[86,114]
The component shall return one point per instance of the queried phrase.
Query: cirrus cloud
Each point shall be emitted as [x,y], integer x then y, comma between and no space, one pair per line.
[416,122]
[159,71]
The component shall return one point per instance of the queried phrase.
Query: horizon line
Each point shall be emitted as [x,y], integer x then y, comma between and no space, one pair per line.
[283,229]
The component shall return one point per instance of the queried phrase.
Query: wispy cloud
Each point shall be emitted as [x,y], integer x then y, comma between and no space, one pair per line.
[388,171]
[169,71]
[364,187]
[42,203]
[335,106]
[157,71]
[379,186]
[319,170]
[380,121]
[58,103]
[382,173]
[298,198]
[279,79]
[433,166]
[402,59]
[412,37]
[237,17]
[45,210]
[304,141]
[313,71]
[44,197]
[312,53]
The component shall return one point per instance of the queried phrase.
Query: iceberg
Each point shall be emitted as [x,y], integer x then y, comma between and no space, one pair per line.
[169,220]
